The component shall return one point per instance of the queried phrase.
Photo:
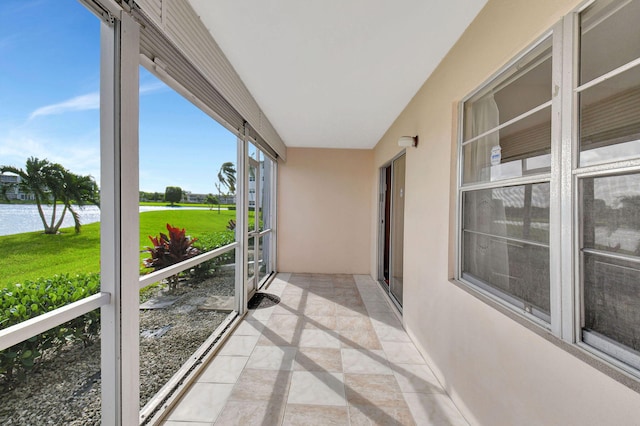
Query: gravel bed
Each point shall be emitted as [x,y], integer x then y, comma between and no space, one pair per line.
[65,389]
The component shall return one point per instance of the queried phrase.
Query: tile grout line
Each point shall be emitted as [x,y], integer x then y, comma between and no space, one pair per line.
[397,314]
[297,346]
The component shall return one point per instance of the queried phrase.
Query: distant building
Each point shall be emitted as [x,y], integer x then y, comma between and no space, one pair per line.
[189,197]
[13,192]
[226,199]
[252,185]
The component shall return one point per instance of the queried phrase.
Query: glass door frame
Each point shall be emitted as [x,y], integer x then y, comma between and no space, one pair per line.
[250,239]
[253,234]
[385,249]
[266,198]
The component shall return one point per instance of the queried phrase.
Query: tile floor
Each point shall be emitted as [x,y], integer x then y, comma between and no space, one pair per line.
[332,352]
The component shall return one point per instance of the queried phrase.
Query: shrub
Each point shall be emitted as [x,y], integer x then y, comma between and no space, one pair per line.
[210,242]
[169,250]
[214,240]
[20,302]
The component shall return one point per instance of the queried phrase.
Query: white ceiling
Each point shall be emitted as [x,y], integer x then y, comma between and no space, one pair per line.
[335,73]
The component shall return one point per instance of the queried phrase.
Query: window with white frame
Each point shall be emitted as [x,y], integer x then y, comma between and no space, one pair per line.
[608,178]
[506,167]
[543,215]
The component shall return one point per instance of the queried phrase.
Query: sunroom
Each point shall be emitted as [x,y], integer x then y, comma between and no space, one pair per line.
[403,213]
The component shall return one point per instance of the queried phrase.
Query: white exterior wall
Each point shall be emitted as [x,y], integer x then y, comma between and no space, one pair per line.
[498,371]
[14,192]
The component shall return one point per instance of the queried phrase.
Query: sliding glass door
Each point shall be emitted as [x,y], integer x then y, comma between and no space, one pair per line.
[253,233]
[260,178]
[391,228]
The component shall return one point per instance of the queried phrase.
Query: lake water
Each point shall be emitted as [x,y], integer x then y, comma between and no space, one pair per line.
[19,218]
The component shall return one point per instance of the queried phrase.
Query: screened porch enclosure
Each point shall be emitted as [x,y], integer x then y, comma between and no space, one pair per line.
[332,274]
[170,284]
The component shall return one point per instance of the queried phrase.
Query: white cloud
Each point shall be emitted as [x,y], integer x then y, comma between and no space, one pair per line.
[152,87]
[79,103]
[87,102]
[82,157]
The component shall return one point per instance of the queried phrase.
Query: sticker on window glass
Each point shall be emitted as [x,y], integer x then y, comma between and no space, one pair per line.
[496,155]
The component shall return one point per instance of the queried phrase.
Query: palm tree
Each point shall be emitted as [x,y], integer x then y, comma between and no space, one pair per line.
[226,179]
[34,180]
[51,183]
[78,190]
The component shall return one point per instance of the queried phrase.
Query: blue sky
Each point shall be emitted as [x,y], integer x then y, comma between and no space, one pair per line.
[49,82]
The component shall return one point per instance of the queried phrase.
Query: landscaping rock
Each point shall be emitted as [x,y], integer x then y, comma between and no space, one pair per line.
[218,303]
[65,387]
[160,302]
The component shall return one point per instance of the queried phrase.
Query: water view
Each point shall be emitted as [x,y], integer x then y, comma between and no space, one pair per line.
[19,218]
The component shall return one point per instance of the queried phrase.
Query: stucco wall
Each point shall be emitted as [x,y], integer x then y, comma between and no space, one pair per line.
[497,371]
[324,205]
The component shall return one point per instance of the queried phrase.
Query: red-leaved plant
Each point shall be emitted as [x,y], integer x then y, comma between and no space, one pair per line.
[169,250]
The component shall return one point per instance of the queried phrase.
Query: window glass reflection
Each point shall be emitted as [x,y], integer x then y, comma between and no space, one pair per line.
[610,37]
[610,120]
[523,148]
[610,228]
[514,211]
[523,87]
[498,224]
[611,214]
[612,299]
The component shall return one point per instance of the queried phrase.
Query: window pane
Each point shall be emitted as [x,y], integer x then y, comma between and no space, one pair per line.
[610,37]
[254,171]
[612,299]
[520,272]
[260,256]
[187,176]
[611,214]
[251,257]
[497,225]
[521,149]
[611,227]
[266,193]
[265,255]
[521,88]
[188,183]
[610,120]
[520,212]
[252,151]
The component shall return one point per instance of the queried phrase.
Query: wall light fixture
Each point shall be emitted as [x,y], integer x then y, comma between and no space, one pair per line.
[406,141]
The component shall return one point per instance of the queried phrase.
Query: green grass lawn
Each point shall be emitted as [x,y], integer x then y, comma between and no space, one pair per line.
[34,255]
[182,205]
